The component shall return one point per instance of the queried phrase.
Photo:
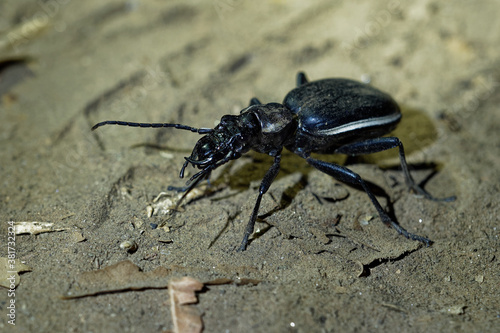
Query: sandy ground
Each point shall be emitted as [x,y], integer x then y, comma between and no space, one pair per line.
[321,260]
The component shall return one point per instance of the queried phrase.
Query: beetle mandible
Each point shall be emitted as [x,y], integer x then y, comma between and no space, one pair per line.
[327,116]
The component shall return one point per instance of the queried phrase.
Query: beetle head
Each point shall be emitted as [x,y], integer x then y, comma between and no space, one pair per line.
[232,137]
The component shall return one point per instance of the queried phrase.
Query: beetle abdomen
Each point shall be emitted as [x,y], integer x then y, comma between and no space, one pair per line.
[333,112]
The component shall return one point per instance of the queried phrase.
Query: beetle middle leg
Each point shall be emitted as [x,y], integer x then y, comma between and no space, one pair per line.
[381,144]
[264,186]
[345,175]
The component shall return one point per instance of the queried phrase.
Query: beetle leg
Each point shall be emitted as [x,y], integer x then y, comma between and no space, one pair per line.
[301,79]
[264,186]
[348,176]
[381,144]
[255,101]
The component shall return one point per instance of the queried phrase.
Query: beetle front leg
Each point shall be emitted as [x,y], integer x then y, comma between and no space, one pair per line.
[264,186]
[348,176]
[381,144]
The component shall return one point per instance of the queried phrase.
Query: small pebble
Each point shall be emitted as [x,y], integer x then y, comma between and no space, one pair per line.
[129,246]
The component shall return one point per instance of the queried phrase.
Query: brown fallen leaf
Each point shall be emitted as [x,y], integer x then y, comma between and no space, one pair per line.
[182,293]
[124,275]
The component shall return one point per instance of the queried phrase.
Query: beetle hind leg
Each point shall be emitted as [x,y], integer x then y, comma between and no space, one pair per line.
[345,175]
[381,144]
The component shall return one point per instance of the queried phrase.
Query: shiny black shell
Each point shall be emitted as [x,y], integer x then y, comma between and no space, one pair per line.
[334,112]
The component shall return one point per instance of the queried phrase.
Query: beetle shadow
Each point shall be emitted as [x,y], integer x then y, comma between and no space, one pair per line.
[416,131]
[255,170]
[257,166]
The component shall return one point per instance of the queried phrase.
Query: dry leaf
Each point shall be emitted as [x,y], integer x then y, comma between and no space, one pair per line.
[77,237]
[124,275]
[457,309]
[182,292]
[35,228]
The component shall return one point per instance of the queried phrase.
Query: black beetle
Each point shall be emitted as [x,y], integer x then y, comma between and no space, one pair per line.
[327,116]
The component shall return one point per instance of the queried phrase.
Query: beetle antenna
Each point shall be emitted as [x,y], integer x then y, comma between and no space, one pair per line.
[153,125]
